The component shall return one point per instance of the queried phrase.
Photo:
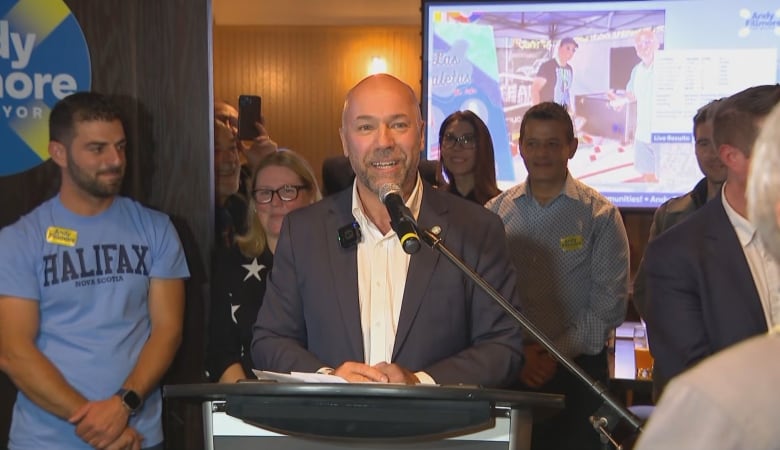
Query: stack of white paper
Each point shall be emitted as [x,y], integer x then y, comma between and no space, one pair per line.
[297,377]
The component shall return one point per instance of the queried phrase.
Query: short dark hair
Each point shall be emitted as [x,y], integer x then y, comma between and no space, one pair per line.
[706,113]
[548,111]
[735,120]
[79,107]
[568,40]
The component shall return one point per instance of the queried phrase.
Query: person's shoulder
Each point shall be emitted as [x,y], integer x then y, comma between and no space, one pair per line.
[466,214]
[340,202]
[684,235]
[134,206]
[680,204]
[506,198]
[454,202]
[428,169]
[142,218]
[720,371]
[673,211]
[337,174]
[336,161]
[547,66]
[697,220]
[32,222]
[589,196]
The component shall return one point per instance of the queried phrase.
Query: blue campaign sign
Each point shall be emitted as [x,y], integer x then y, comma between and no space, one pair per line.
[43,58]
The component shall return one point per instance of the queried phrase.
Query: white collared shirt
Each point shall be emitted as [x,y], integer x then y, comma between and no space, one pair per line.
[382,267]
[764,268]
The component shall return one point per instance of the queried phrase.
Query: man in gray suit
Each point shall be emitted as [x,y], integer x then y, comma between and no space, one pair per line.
[364,310]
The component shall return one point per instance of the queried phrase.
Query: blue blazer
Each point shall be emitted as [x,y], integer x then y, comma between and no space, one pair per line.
[447,327]
[701,295]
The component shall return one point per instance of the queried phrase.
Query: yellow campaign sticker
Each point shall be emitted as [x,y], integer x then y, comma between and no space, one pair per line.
[570,243]
[61,236]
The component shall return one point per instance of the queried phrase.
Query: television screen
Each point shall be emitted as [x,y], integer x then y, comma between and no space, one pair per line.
[632,75]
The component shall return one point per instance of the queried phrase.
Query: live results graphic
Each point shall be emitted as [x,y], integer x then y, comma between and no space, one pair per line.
[43,58]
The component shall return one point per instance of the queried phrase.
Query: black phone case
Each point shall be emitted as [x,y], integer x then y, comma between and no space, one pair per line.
[248,115]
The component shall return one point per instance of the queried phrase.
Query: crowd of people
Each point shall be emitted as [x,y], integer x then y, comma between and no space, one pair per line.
[92,298]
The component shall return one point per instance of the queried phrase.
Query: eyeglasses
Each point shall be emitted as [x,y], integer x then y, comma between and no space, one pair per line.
[467,141]
[286,193]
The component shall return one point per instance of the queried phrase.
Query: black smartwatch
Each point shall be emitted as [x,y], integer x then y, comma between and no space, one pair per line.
[130,399]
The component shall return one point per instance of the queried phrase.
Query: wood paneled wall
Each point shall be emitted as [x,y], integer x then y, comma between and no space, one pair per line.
[303,74]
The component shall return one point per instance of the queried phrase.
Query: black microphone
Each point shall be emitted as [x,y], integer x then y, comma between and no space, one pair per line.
[401,218]
[350,235]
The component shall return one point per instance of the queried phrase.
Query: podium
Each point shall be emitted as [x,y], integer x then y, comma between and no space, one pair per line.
[364,416]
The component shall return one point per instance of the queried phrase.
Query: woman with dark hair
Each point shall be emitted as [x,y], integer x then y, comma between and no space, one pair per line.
[466,157]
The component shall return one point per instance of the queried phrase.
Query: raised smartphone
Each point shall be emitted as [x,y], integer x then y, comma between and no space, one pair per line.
[248,115]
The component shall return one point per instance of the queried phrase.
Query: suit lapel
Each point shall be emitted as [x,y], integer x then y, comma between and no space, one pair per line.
[421,266]
[343,269]
[723,247]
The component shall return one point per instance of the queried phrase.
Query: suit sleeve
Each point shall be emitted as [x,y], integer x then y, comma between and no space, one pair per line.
[495,355]
[675,321]
[640,280]
[279,334]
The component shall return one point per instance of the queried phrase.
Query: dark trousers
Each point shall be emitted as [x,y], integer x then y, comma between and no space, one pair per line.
[571,428]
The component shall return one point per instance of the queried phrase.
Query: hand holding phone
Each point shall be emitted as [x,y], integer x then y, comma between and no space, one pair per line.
[249,114]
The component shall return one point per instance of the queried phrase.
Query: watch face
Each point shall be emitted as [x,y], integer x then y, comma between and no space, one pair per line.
[132,400]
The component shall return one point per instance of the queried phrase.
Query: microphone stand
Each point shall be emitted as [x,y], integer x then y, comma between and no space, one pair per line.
[607,417]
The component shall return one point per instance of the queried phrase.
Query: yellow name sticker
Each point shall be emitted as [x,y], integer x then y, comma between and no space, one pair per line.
[61,236]
[570,243]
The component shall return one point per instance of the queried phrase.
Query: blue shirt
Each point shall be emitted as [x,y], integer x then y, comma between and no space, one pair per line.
[572,263]
[90,276]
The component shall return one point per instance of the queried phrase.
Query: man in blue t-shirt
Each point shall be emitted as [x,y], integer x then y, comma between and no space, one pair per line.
[91,296]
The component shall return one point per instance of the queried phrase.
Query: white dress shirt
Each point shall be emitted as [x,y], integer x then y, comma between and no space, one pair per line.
[764,268]
[382,267]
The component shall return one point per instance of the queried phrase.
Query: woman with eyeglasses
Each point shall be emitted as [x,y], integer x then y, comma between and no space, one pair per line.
[466,157]
[282,182]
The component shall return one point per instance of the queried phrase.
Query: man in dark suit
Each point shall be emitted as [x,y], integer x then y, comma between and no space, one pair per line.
[705,276]
[729,400]
[363,309]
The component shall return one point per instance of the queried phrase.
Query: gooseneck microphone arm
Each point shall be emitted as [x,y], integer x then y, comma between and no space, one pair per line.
[401,219]
[606,418]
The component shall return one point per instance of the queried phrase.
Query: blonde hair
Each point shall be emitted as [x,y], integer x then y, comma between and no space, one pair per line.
[254,241]
[763,186]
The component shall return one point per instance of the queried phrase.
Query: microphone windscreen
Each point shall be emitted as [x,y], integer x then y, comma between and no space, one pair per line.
[387,189]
